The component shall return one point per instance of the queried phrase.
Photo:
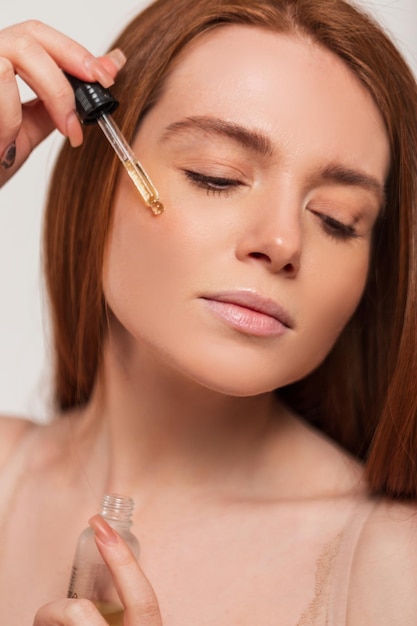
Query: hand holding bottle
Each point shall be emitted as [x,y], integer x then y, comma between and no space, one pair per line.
[139,600]
[37,53]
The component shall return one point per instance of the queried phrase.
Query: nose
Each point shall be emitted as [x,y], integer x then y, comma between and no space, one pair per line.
[271,235]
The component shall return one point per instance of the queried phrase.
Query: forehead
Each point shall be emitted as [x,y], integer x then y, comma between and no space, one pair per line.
[286,86]
[242,60]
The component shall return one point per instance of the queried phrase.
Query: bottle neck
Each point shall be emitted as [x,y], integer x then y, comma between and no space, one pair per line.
[117,509]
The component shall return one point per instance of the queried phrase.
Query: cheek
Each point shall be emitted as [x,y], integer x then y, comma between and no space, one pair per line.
[333,303]
[134,267]
[150,262]
[164,254]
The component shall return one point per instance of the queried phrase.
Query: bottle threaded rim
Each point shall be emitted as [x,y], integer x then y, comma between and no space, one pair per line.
[117,507]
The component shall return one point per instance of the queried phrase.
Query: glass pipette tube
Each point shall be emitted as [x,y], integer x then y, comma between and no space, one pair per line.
[130,163]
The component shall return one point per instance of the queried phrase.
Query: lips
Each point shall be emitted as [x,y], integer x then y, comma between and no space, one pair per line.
[250,312]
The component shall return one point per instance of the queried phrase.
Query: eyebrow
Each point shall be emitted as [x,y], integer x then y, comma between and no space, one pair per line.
[247,137]
[260,143]
[339,174]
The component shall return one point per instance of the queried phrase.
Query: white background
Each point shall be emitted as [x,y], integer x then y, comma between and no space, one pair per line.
[24,370]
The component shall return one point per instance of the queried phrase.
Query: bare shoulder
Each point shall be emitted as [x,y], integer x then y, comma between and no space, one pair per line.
[383,584]
[12,431]
[331,470]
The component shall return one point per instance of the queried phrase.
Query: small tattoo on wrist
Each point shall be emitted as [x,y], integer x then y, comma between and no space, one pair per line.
[8,157]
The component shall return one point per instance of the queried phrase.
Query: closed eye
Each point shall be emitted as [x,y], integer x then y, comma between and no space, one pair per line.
[336,229]
[213,184]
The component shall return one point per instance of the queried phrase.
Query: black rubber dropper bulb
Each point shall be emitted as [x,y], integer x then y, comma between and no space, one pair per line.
[91,100]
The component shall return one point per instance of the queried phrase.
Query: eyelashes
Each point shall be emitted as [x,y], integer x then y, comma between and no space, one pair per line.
[223,186]
[213,184]
[336,229]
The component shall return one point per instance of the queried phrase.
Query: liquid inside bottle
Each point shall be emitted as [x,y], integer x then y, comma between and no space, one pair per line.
[90,577]
[112,613]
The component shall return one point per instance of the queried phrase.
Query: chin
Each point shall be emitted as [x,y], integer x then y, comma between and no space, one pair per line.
[240,380]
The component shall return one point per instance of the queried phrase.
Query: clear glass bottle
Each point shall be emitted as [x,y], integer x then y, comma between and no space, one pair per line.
[90,577]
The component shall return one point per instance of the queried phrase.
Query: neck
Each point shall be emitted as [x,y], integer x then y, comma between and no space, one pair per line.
[156,429]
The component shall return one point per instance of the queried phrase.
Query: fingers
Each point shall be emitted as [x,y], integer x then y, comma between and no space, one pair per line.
[69,613]
[10,112]
[113,61]
[134,589]
[38,54]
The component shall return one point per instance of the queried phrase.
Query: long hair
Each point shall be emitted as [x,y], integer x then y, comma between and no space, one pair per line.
[364,394]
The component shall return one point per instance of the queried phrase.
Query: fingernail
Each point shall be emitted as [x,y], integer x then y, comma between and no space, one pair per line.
[8,157]
[98,72]
[103,531]
[73,130]
[117,57]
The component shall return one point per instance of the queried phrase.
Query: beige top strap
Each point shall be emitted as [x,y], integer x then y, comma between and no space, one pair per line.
[341,569]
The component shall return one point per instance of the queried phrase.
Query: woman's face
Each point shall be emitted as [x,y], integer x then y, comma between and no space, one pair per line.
[270,158]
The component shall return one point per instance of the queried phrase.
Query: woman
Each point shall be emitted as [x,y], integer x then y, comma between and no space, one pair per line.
[204,356]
